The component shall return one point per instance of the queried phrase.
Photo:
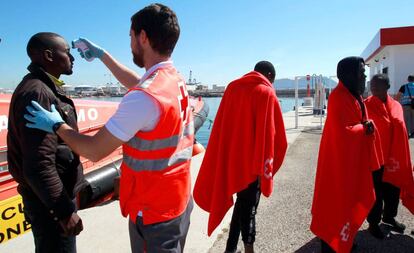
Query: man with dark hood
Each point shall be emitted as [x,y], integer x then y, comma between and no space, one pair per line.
[246,148]
[343,186]
[396,171]
[48,172]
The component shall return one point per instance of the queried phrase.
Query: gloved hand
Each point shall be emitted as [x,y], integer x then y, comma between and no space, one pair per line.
[94,51]
[42,119]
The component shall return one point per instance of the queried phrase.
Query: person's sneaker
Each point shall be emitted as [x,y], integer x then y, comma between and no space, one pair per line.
[375,231]
[396,226]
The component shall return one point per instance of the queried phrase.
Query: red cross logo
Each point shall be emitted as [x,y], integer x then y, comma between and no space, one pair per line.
[392,166]
[345,232]
[183,101]
[268,168]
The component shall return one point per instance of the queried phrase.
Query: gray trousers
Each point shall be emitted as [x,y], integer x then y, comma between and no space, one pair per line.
[409,118]
[164,237]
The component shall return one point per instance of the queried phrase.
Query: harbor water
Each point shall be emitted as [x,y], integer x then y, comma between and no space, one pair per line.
[203,134]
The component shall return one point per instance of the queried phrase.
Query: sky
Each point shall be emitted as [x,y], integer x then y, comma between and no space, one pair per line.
[219,40]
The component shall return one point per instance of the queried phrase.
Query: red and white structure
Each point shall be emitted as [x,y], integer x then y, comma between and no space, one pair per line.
[391,52]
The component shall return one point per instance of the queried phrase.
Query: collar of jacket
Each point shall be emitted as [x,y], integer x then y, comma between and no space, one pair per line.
[56,81]
[40,73]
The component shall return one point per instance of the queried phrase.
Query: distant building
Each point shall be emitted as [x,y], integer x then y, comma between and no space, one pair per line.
[69,89]
[391,52]
[202,87]
[191,87]
[114,90]
[6,91]
[85,90]
[217,88]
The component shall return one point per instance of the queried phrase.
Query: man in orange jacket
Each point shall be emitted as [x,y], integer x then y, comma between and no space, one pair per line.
[154,124]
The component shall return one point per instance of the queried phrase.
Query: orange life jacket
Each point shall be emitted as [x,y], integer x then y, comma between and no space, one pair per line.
[155,172]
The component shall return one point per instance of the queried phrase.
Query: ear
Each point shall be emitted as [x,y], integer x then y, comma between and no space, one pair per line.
[48,55]
[143,38]
[270,76]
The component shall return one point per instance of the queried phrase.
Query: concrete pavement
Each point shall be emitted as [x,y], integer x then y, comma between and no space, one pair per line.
[282,221]
[105,230]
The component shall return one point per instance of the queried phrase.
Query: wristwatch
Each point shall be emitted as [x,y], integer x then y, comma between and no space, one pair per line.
[56,126]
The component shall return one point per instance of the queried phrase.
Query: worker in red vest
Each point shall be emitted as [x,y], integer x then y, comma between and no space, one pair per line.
[153,124]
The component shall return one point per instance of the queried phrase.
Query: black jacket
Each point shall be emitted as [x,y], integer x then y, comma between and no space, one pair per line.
[45,168]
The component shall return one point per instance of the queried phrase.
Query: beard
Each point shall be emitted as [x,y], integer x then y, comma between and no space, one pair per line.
[139,57]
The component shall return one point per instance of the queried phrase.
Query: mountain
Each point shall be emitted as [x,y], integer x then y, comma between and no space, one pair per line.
[286,83]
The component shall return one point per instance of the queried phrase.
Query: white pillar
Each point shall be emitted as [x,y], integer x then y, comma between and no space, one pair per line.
[296,101]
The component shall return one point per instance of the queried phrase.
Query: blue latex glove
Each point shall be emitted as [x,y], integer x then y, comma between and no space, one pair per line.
[42,119]
[93,51]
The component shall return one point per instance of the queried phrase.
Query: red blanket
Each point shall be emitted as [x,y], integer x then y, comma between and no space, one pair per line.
[394,143]
[248,141]
[344,192]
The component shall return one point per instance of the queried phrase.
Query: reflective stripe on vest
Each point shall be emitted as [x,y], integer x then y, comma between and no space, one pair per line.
[145,145]
[158,164]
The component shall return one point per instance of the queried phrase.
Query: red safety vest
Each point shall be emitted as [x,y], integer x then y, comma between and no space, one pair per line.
[155,171]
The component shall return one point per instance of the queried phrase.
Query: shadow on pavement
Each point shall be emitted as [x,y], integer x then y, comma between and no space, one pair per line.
[365,242]
[312,130]
[313,246]
[392,243]
[305,114]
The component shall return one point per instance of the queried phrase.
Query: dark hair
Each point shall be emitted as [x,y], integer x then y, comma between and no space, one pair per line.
[161,26]
[265,68]
[381,78]
[410,78]
[41,41]
[347,72]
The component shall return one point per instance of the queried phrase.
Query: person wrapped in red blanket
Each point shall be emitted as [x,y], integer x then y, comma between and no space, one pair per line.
[344,191]
[396,172]
[246,148]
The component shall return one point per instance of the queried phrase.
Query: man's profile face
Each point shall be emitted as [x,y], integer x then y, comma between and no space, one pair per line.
[361,78]
[378,88]
[137,49]
[374,87]
[271,78]
[62,58]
